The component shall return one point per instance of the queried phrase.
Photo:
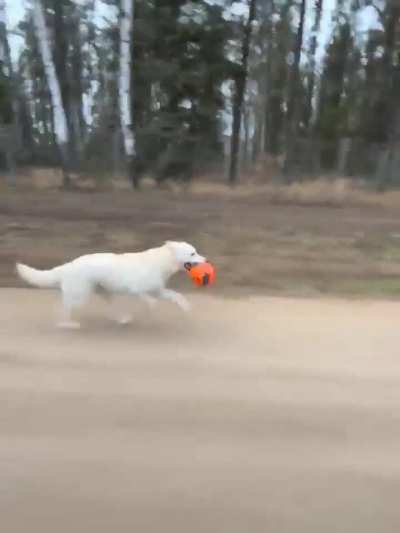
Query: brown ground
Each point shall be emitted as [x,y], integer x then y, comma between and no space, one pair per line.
[247,416]
[251,415]
[256,242]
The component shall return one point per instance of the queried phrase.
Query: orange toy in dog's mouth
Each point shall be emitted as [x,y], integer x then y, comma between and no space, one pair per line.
[201,274]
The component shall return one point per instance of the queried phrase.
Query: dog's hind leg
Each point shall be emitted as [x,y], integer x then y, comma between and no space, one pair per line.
[73,296]
[114,314]
[123,319]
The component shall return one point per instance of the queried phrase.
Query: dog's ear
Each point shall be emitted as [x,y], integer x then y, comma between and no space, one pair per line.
[171,245]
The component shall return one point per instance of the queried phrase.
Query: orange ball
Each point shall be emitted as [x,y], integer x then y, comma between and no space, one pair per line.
[202,274]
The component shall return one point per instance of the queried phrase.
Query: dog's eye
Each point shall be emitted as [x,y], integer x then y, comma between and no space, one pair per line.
[192,254]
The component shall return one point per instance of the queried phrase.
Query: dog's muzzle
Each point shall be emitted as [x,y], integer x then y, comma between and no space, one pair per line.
[189,266]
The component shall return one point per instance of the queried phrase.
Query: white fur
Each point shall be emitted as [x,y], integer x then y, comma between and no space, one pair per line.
[143,274]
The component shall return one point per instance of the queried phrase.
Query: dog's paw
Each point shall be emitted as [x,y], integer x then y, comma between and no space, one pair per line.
[185,305]
[69,324]
[150,301]
[124,320]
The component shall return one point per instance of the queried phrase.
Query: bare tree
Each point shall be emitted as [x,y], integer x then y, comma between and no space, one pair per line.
[388,166]
[240,88]
[312,90]
[76,83]
[58,111]
[4,49]
[261,70]
[9,129]
[318,6]
[126,85]
[294,86]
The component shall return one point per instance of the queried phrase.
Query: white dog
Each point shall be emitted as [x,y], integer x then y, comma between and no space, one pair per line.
[144,274]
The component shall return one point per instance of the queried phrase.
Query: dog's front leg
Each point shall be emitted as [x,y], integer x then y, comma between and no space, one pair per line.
[177,298]
[114,312]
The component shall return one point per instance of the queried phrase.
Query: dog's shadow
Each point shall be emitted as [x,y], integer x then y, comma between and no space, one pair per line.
[164,322]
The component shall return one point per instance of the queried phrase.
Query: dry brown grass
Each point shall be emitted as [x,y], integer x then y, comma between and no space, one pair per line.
[339,192]
[325,191]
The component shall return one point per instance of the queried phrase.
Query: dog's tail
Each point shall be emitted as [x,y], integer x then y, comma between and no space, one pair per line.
[39,278]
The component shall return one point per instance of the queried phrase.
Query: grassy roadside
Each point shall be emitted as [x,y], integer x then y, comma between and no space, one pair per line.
[259,243]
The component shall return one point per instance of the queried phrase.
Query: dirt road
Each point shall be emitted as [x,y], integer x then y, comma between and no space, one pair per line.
[247,416]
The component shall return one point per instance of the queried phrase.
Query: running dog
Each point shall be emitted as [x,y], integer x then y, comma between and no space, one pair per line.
[143,274]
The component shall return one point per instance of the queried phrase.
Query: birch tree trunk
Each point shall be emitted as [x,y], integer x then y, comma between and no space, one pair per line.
[126,86]
[58,111]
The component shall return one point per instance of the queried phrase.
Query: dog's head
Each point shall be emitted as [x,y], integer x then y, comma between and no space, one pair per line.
[185,254]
